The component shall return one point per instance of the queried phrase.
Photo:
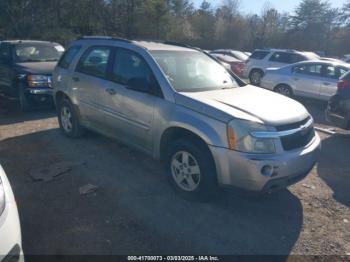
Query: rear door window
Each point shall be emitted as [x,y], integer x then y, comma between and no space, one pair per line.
[95,61]
[259,55]
[331,72]
[281,57]
[68,56]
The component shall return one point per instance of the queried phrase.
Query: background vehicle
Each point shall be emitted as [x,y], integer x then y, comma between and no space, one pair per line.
[25,70]
[236,65]
[10,230]
[241,56]
[262,59]
[183,107]
[338,110]
[315,79]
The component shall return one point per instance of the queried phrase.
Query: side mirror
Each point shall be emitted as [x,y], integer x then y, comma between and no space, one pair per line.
[139,84]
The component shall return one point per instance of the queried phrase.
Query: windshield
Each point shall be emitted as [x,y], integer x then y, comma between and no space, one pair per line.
[193,71]
[38,52]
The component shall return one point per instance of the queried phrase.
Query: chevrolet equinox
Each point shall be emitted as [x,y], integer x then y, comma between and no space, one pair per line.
[181,106]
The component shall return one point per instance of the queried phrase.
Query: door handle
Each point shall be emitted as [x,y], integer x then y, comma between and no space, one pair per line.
[326,84]
[76,79]
[111,91]
[295,78]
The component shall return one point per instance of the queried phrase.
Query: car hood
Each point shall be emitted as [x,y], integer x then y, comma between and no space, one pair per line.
[248,102]
[45,68]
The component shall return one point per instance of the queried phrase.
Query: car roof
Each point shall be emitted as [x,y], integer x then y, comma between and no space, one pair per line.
[324,62]
[158,46]
[150,45]
[28,42]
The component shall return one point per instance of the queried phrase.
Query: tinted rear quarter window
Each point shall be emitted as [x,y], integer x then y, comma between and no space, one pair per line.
[259,55]
[346,76]
[68,57]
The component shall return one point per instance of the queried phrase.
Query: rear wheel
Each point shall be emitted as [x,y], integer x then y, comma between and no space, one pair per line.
[68,119]
[255,77]
[191,169]
[284,90]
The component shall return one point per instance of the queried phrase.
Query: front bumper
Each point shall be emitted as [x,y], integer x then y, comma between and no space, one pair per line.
[39,91]
[245,170]
[10,230]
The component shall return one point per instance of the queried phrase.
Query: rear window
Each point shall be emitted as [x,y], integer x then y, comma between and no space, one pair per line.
[68,56]
[259,55]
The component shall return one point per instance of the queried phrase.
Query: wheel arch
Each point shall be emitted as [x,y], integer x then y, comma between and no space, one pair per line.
[59,95]
[283,84]
[175,133]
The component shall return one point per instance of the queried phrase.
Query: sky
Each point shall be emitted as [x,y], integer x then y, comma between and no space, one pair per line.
[255,6]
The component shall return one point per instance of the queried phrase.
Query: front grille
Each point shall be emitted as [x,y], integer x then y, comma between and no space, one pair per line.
[299,139]
[293,125]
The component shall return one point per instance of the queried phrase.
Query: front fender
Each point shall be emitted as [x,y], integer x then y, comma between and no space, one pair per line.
[210,130]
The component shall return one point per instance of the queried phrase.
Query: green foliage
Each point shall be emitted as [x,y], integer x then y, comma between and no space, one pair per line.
[314,25]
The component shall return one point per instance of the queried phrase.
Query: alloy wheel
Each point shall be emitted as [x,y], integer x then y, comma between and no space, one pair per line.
[185,171]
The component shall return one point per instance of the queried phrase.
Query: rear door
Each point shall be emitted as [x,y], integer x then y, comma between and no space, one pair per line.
[331,75]
[307,79]
[89,81]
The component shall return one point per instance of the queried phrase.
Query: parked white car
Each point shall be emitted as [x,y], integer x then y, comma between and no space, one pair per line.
[262,59]
[315,79]
[10,230]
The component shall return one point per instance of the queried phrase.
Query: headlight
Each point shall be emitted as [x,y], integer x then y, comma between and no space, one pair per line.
[240,137]
[2,197]
[39,80]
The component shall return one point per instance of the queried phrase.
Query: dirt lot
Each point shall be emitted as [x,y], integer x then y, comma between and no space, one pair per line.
[135,211]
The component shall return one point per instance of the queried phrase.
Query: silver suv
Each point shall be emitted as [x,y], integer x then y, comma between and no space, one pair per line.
[181,106]
[262,59]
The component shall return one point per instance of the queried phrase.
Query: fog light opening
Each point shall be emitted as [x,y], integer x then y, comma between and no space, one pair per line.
[267,170]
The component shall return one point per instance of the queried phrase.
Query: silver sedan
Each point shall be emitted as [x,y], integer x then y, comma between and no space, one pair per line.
[315,79]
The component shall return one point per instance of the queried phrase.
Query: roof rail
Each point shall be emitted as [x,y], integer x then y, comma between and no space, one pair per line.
[167,42]
[104,38]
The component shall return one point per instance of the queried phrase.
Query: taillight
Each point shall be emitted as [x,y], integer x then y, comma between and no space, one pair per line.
[342,84]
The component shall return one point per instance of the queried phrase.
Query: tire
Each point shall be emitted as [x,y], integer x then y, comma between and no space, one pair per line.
[23,100]
[68,119]
[284,90]
[194,179]
[255,77]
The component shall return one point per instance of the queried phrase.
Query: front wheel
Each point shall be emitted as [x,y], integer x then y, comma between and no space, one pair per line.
[191,169]
[68,119]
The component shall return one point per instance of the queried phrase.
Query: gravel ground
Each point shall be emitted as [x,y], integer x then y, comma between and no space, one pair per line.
[135,211]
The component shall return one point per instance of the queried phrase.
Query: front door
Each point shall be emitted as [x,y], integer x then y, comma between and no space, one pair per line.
[129,113]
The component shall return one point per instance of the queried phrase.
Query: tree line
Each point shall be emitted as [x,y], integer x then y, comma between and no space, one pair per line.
[314,25]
